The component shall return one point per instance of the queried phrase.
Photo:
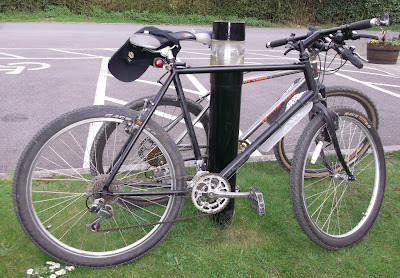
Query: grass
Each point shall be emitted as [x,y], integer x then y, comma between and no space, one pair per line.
[253,246]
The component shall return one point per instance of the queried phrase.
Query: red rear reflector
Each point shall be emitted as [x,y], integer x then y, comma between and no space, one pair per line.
[158,62]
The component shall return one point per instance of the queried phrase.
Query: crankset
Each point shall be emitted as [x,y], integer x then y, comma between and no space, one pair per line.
[210,194]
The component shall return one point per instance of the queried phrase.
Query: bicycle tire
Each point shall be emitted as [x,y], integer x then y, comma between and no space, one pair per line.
[53,182]
[333,211]
[336,96]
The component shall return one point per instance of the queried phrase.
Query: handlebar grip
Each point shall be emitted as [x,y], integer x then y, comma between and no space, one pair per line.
[276,43]
[349,56]
[372,37]
[364,24]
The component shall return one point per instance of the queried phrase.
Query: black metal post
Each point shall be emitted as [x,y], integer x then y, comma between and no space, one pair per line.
[227,48]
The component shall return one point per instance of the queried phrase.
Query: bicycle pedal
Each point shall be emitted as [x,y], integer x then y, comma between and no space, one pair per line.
[257,201]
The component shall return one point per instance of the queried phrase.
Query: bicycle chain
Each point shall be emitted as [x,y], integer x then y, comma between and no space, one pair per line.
[161,222]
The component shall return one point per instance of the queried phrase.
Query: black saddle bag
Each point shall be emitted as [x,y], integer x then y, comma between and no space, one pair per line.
[131,61]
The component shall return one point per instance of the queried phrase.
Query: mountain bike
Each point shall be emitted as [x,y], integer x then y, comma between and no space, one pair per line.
[82,208]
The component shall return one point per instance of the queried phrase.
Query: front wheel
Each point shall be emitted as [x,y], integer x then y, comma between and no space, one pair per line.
[335,96]
[54,186]
[332,210]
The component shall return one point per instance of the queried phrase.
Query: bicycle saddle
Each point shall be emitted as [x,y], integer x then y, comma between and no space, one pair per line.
[154,38]
[133,58]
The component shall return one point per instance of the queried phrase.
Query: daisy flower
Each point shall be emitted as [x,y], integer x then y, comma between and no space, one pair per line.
[29,271]
[70,268]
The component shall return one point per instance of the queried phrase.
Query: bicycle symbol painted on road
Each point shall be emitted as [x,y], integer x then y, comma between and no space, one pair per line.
[17,68]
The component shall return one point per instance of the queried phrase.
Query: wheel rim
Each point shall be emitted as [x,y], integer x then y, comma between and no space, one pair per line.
[286,146]
[335,206]
[62,219]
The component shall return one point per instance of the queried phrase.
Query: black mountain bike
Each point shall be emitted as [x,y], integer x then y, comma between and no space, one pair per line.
[104,185]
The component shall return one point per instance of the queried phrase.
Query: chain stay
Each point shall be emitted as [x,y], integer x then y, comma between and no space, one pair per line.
[162,222]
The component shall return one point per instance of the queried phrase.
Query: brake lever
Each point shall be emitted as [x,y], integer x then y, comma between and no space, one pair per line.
[352,48]
[291,47]
[360,57]
[287,51]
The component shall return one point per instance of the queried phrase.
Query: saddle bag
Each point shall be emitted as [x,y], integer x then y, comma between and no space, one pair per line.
[131,61]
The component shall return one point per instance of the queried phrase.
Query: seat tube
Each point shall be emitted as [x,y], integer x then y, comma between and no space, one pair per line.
[188,123]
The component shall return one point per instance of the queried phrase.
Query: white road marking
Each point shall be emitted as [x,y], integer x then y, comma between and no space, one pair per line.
[12,69]
[101,83]
[369,85]
[385,84]
[41,65]
[11,55]
[99,99]
[372,73]
[118,101]
[201,89]
[77,53]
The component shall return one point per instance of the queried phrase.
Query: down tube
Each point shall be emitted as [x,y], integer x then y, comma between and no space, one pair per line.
[231,168]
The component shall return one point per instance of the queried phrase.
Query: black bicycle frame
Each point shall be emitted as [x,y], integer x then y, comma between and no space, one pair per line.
[175,71]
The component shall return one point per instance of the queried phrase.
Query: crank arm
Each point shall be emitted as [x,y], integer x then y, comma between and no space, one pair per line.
[226,194]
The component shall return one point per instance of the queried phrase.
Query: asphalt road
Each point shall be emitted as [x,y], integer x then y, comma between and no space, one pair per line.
[47,69]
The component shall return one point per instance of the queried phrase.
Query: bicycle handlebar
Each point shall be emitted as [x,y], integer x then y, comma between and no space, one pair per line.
[336,35]
[284,41]
[314,35]
[364,24]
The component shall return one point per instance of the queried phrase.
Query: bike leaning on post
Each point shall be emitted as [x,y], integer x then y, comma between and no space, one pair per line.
[169,116]
[104,185]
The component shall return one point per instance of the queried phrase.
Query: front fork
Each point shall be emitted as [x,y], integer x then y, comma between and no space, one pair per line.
[330,134]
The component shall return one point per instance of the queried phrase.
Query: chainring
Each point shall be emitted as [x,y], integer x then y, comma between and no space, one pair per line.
[204,190]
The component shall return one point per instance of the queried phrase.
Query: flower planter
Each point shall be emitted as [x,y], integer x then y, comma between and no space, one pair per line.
[382,54]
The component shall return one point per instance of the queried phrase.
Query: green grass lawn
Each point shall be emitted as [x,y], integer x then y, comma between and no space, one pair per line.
[253,246]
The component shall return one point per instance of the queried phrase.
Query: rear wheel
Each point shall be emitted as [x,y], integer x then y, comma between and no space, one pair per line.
[54,188]
[332,210]
[169,116]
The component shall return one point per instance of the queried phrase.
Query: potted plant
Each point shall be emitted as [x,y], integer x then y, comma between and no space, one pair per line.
[384,50]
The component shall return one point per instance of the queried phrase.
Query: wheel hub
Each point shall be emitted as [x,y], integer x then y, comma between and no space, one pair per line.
[96,185]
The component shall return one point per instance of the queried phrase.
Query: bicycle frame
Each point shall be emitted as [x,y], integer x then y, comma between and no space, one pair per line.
[176,71]
[260,121]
